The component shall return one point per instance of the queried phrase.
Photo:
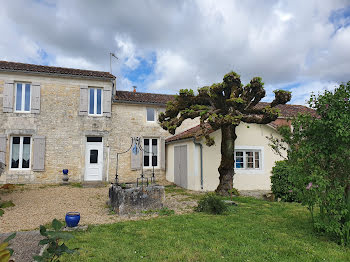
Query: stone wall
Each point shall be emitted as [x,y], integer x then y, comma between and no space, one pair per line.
[135,199]
[66,131]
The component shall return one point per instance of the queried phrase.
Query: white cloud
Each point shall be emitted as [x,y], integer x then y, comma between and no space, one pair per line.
[73,62]
[301,94]
[195,42]
[172,72]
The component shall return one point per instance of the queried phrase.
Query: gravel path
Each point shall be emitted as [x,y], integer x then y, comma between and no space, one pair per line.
[25,245]
[39,205]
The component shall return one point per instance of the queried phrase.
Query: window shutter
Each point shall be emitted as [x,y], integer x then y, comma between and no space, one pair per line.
[8,97]
[136,158]
[162,153]
[35,102]
[38,153]
[83,107]
[3,148]
[107,101]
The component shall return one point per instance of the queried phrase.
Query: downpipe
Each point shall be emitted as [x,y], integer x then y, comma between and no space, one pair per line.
[201,159]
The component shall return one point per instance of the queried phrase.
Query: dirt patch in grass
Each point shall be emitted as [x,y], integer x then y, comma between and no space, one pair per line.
[37,205]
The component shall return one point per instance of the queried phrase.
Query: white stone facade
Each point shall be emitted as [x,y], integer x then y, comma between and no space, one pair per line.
[65,131]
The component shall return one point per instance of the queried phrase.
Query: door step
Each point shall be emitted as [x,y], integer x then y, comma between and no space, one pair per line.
[93,184]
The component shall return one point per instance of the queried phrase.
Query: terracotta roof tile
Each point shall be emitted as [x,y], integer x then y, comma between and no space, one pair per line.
[145,98]
[21,67]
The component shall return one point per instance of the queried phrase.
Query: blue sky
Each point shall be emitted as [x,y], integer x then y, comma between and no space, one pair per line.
[296,45]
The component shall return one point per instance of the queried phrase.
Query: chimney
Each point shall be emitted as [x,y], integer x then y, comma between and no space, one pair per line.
[134,89]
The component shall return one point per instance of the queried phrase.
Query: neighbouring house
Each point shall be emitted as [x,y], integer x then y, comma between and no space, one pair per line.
[193,165]
[54,118]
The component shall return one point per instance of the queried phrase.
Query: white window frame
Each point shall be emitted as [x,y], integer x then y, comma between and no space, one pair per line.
[246,170]
[23,98]
[21,153]
[155,115]
[95,101]
[150,154]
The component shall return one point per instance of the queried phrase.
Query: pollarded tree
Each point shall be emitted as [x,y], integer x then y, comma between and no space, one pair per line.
[223,106]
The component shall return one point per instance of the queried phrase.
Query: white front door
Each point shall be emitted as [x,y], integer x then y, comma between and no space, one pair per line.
[93,160]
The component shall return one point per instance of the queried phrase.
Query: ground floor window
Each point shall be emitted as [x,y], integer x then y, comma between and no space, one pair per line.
[150,154]
[20,152]
[248,159]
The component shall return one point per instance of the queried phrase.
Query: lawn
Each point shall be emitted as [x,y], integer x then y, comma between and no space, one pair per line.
[255,230]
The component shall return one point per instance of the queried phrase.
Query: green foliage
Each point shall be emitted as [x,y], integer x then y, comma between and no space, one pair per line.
[212,204]
[166,211]
[318,160]
[5,204]
[5,251]
[281,186]
[234,191]
[55,240]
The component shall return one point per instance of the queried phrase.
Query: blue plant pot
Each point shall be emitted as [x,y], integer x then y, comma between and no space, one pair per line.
[72,219]
[65,171]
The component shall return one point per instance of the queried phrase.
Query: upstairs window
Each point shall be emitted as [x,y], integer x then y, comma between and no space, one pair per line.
[20,152]
[151,115]
[95,101]
[150,154]
[22,94]
[247,159]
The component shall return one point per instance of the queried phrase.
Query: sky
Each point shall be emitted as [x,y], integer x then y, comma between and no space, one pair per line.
[164,46]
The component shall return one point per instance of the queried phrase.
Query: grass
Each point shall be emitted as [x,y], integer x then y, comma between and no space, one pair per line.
[255,230]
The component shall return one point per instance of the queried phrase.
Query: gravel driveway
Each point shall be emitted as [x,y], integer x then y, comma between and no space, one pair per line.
[39,205]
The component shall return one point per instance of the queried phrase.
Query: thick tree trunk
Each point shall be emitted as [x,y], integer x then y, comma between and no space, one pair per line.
[226,168]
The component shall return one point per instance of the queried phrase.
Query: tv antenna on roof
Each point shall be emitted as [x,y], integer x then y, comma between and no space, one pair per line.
[110,60]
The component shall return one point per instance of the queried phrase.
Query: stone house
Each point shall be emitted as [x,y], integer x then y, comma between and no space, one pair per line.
[54,118]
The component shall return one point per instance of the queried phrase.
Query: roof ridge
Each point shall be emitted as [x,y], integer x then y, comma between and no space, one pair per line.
[147,93]
[20,66]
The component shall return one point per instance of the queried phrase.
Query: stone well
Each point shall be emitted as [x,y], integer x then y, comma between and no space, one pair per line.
[135,199]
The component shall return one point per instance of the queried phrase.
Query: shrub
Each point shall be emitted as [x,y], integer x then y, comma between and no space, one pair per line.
[55,241]
[281,186]
[5,251]
[318,158]
[212,204]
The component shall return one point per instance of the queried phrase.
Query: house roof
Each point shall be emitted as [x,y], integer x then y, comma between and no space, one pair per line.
[142,98]
[31,68]
[286,111]
[162,99]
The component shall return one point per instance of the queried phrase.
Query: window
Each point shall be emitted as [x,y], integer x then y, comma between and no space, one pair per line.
[22,94]
[93,156]
[20,152]
[151,115]
[94,139]
[150,154]
[247,159]
[95,101]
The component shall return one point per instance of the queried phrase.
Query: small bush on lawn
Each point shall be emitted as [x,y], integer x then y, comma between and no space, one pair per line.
[282,187]
[55,240]
[212,204]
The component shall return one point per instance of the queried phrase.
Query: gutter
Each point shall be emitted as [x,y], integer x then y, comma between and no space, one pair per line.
[201,159]
[137,102]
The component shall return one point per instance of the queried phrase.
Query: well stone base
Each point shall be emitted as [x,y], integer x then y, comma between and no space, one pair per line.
[136,199]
